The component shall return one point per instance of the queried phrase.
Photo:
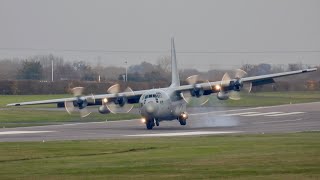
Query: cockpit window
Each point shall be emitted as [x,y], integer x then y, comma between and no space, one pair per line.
[157,95]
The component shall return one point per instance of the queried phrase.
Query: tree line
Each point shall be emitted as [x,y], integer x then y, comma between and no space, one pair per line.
[17,74]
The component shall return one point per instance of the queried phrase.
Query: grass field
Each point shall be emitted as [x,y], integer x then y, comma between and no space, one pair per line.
[268,156]
[7,99]
[278,156]
[268,99]
[25,117]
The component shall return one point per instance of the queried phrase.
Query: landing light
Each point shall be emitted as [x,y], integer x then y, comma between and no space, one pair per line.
[217,87]
[184,115]
[143,120]
[105,100]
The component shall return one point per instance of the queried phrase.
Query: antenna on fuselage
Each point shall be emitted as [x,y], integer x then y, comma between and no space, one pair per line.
[175,81]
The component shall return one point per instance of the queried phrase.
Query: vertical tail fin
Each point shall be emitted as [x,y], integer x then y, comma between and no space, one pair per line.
[175,81]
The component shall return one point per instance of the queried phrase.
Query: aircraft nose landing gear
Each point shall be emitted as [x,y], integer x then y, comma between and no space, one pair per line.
[150,123]
[183,122]
[183,119]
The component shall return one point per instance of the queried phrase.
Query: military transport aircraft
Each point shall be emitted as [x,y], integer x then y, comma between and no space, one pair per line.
[164,104]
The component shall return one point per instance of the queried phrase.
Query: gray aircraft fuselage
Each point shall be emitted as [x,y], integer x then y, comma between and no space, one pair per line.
[161,105]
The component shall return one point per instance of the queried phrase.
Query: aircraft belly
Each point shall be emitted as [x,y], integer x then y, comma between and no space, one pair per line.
[171,112]
[165,114]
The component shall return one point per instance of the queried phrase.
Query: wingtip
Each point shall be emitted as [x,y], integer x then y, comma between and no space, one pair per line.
[309,70]
[8,105]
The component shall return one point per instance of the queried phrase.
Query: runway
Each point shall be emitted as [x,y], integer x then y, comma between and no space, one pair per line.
[202,121]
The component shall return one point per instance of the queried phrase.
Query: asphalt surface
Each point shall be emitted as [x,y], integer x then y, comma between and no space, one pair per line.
[202,121]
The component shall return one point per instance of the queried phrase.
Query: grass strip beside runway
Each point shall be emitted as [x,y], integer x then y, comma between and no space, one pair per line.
[23,117]
[278,156]
[7,99]
[267,99]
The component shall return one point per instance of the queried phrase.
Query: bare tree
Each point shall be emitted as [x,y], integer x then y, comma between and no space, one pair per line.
[164,63]
[112,73]
[9,69]
[278,68]
[294,67]
[31,70]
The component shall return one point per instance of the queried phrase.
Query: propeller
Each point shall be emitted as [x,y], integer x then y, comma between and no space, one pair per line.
[195,95]
[233,86]
[120,103]
[80,103]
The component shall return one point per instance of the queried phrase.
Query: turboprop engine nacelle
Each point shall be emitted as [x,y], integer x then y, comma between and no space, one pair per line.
[196,92]
[103,110]
[222,96]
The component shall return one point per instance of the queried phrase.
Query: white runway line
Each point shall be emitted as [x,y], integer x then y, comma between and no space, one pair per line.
[77,124]
[285,114]
[261,114]
[184,133]
[23,132]
[238,114]
[225,111]
[250,109]
[267,122]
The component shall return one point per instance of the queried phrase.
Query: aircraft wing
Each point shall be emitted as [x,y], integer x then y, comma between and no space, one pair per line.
[132,97]
[209,87]
[266,79]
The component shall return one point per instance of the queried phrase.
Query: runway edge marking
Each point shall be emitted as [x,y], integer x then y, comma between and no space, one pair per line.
[193,133]
[252,108]
[23,132]
[285,114]
[283,121]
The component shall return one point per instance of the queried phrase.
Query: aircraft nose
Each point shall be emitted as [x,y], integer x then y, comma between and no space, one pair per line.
[151,107]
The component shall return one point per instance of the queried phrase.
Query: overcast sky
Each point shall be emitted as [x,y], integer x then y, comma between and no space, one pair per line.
[93,28]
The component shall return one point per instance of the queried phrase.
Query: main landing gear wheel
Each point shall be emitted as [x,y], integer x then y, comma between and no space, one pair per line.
[183,122]
[150,123]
